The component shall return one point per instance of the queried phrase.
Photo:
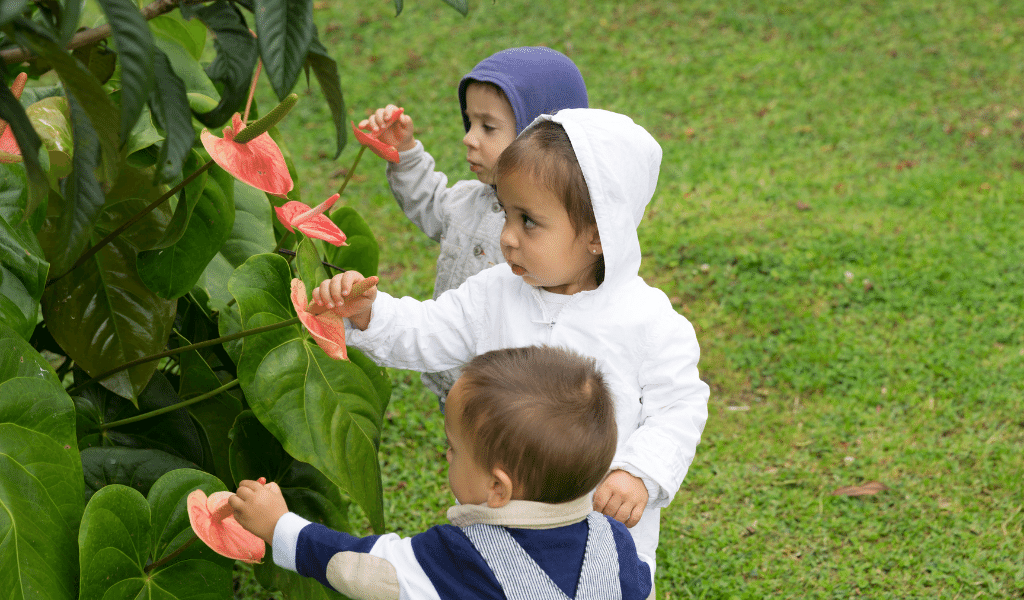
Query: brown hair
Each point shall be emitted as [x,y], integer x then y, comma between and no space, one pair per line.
[542,414]
[545,153]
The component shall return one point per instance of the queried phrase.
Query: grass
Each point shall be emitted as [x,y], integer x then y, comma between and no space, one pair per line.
[839,216]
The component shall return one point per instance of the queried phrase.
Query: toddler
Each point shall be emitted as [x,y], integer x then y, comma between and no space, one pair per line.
[499,98]
[530,432]
[574,187]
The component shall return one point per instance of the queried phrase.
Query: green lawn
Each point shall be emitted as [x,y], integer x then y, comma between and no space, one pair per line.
[839,214]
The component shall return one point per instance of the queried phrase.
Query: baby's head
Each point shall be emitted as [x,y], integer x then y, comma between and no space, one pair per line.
[534,423]
[506,91]
[540,183]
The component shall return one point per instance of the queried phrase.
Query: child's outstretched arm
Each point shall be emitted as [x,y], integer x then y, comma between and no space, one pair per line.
[336,294]
[399,134]
[258,507]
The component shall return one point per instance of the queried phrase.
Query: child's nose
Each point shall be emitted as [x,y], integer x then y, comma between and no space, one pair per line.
[469,139]
[507,237]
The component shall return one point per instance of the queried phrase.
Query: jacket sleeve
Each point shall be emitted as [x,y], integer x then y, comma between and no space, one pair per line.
[427,336]
[675,409]
[419,190]
[377,567]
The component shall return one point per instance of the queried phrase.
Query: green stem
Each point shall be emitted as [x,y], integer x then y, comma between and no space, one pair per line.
[352,171]
[173,407]
[131,221]
[163,561]
[196,346]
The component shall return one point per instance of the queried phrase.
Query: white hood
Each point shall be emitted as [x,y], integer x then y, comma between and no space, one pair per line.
[620,162]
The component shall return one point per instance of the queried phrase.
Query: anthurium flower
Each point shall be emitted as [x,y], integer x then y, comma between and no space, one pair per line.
[9,150]
[213,522]
[311,221]
[385,151]
[326,326]
[258,162]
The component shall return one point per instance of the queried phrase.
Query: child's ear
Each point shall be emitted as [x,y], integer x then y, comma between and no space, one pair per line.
[500,492]
[594,245]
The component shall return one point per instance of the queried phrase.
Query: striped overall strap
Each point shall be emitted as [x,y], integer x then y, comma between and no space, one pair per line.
[521,578]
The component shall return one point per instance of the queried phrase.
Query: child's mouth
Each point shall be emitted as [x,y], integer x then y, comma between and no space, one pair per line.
[517,270]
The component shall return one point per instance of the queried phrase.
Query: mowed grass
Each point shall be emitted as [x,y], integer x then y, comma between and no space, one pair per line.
[839,214]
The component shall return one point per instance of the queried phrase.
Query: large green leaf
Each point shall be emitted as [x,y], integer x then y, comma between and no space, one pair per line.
[103,316]
[40,477]
[122,532]
[31,147]
[252,234]
[284,29]
[138,468]
[325,412]
[326,71]
[311,269]
[171,109]
[235,61]
[190,35]
[11,9]
[50,118]
[171,272]
[135,49]
[187,68]
[22,279]
[362,253]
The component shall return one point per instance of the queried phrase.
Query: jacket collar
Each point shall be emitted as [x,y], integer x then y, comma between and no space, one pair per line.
[523,514]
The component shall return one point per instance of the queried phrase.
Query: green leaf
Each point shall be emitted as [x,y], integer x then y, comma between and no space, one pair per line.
[460,5]
[171,108]
[135,49]
[51,119]
[114,541]
[186,201]
[171,272]
[311,270]
[326,71]
[79,82]
[28,140]
[362,252]
[41,482]
[235,62]
[138,468]
[252,234]
[284,29]
[188,69]
[399,5]
[103,316]
[325,412]
[170,516]
[11,10]
[190,35]
[83,196]
[22,279]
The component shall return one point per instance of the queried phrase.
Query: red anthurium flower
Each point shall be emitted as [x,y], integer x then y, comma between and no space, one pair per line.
[311,221]
[326,326]
[213,521]
[9,150]
[385,151]
[258,162]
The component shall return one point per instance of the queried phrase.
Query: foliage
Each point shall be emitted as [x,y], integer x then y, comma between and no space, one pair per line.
[150,279]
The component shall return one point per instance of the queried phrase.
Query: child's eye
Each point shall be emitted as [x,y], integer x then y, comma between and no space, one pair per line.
[528,222]
[488,128]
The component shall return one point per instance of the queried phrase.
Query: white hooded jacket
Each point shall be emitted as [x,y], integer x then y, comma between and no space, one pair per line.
[647,351]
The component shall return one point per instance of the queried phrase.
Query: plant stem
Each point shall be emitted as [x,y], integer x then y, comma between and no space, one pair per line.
[352,170]
[173,407]
[291,253]
[196,346]
[131,221]
[163,561]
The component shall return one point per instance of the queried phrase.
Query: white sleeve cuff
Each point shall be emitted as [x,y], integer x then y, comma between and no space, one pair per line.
[286,539]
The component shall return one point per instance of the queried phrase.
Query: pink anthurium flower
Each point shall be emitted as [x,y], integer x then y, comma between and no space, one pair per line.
[311,221]
[385,151]
[326,326]
[258,162]
[213,521]
[10,152]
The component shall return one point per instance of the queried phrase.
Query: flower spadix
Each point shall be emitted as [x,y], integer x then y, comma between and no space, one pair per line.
[213,521]
[249,154]
[385,151]
[327,326]
[311,221]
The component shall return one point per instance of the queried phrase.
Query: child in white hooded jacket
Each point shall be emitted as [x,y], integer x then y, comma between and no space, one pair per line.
[574,186]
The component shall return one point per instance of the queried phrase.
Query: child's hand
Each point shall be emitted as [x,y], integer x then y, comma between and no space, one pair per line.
[336,294]
[399,134]
[622,497]
[258,508]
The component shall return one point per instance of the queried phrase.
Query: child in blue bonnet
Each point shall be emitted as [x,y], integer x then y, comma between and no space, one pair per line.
[501,96]
[530,432]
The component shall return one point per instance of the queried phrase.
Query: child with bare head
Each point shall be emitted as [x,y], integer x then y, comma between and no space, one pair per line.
[573,187]
[531,431]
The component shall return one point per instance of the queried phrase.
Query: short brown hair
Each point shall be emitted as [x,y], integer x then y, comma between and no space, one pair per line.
[545,153]
[542,414]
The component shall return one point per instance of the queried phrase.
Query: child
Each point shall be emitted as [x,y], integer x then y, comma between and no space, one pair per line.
[530,432]
[574,187]
[499,98]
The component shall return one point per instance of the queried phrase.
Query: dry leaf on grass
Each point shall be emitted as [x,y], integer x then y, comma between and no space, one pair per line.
[868,488]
